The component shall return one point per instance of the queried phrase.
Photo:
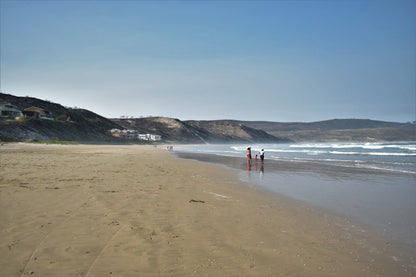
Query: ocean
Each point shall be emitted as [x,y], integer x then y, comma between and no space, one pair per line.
[373,184]
[399,157]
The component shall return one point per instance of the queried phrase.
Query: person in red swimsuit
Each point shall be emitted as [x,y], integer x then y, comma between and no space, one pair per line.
[248,156]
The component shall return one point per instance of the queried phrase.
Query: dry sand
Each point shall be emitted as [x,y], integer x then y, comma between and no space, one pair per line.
[138,211]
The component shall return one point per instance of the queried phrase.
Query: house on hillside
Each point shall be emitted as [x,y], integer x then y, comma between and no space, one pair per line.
[37,113]
[133,134]
[9,110]
[149,137]
[143,137]
[154,137]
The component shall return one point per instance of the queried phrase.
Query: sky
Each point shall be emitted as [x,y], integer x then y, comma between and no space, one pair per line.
[272,60]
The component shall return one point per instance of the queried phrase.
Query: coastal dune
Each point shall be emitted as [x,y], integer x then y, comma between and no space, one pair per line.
[97,210]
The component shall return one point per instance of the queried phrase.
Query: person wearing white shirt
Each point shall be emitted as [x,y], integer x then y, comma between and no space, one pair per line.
[262,155]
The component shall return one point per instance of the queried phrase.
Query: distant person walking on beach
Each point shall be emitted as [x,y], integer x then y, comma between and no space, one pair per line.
[248,155]
[262,155]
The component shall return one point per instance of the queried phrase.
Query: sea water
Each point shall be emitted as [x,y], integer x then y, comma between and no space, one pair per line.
[400,157]
[371,183]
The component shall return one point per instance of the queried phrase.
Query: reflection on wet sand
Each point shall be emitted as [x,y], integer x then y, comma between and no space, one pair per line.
[256,168]
[381,200]
[262,170]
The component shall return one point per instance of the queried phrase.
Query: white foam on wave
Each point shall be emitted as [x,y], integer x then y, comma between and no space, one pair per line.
[382,166]
[375,146]
[296,151]
[320,145]
[397,146]
[390,154]
[317,152]
[238,148]
[396,157]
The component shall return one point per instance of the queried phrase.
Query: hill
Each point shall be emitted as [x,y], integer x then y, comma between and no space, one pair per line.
[220,131]
[334,124]
[82,125]
[74,124]
[67,124]
[169,128]
[338,130]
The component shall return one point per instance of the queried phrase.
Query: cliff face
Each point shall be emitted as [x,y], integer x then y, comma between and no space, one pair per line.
[228,131]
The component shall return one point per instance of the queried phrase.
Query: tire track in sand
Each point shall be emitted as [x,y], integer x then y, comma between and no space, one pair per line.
[102,251]
[47,235]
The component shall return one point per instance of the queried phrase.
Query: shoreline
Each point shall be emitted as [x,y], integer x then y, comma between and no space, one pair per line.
[339,189]
[137,210]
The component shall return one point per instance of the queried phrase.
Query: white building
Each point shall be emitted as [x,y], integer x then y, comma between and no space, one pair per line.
[143,137]
[133,134]
[154,137]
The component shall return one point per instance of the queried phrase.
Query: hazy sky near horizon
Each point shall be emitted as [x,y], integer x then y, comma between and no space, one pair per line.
[250,60]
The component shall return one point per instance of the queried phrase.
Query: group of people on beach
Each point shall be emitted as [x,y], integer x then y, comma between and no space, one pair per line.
[248,152]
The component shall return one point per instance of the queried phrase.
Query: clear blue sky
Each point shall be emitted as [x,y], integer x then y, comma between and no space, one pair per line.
[249,60]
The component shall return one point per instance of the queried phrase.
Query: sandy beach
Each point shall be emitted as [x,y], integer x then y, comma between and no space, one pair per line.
[97,210]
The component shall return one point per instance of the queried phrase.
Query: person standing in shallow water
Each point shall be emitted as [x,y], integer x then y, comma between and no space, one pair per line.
[248,152]
[262,155]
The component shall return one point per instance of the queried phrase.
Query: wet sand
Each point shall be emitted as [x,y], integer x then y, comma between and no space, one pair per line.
[88,210]
[379,200]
